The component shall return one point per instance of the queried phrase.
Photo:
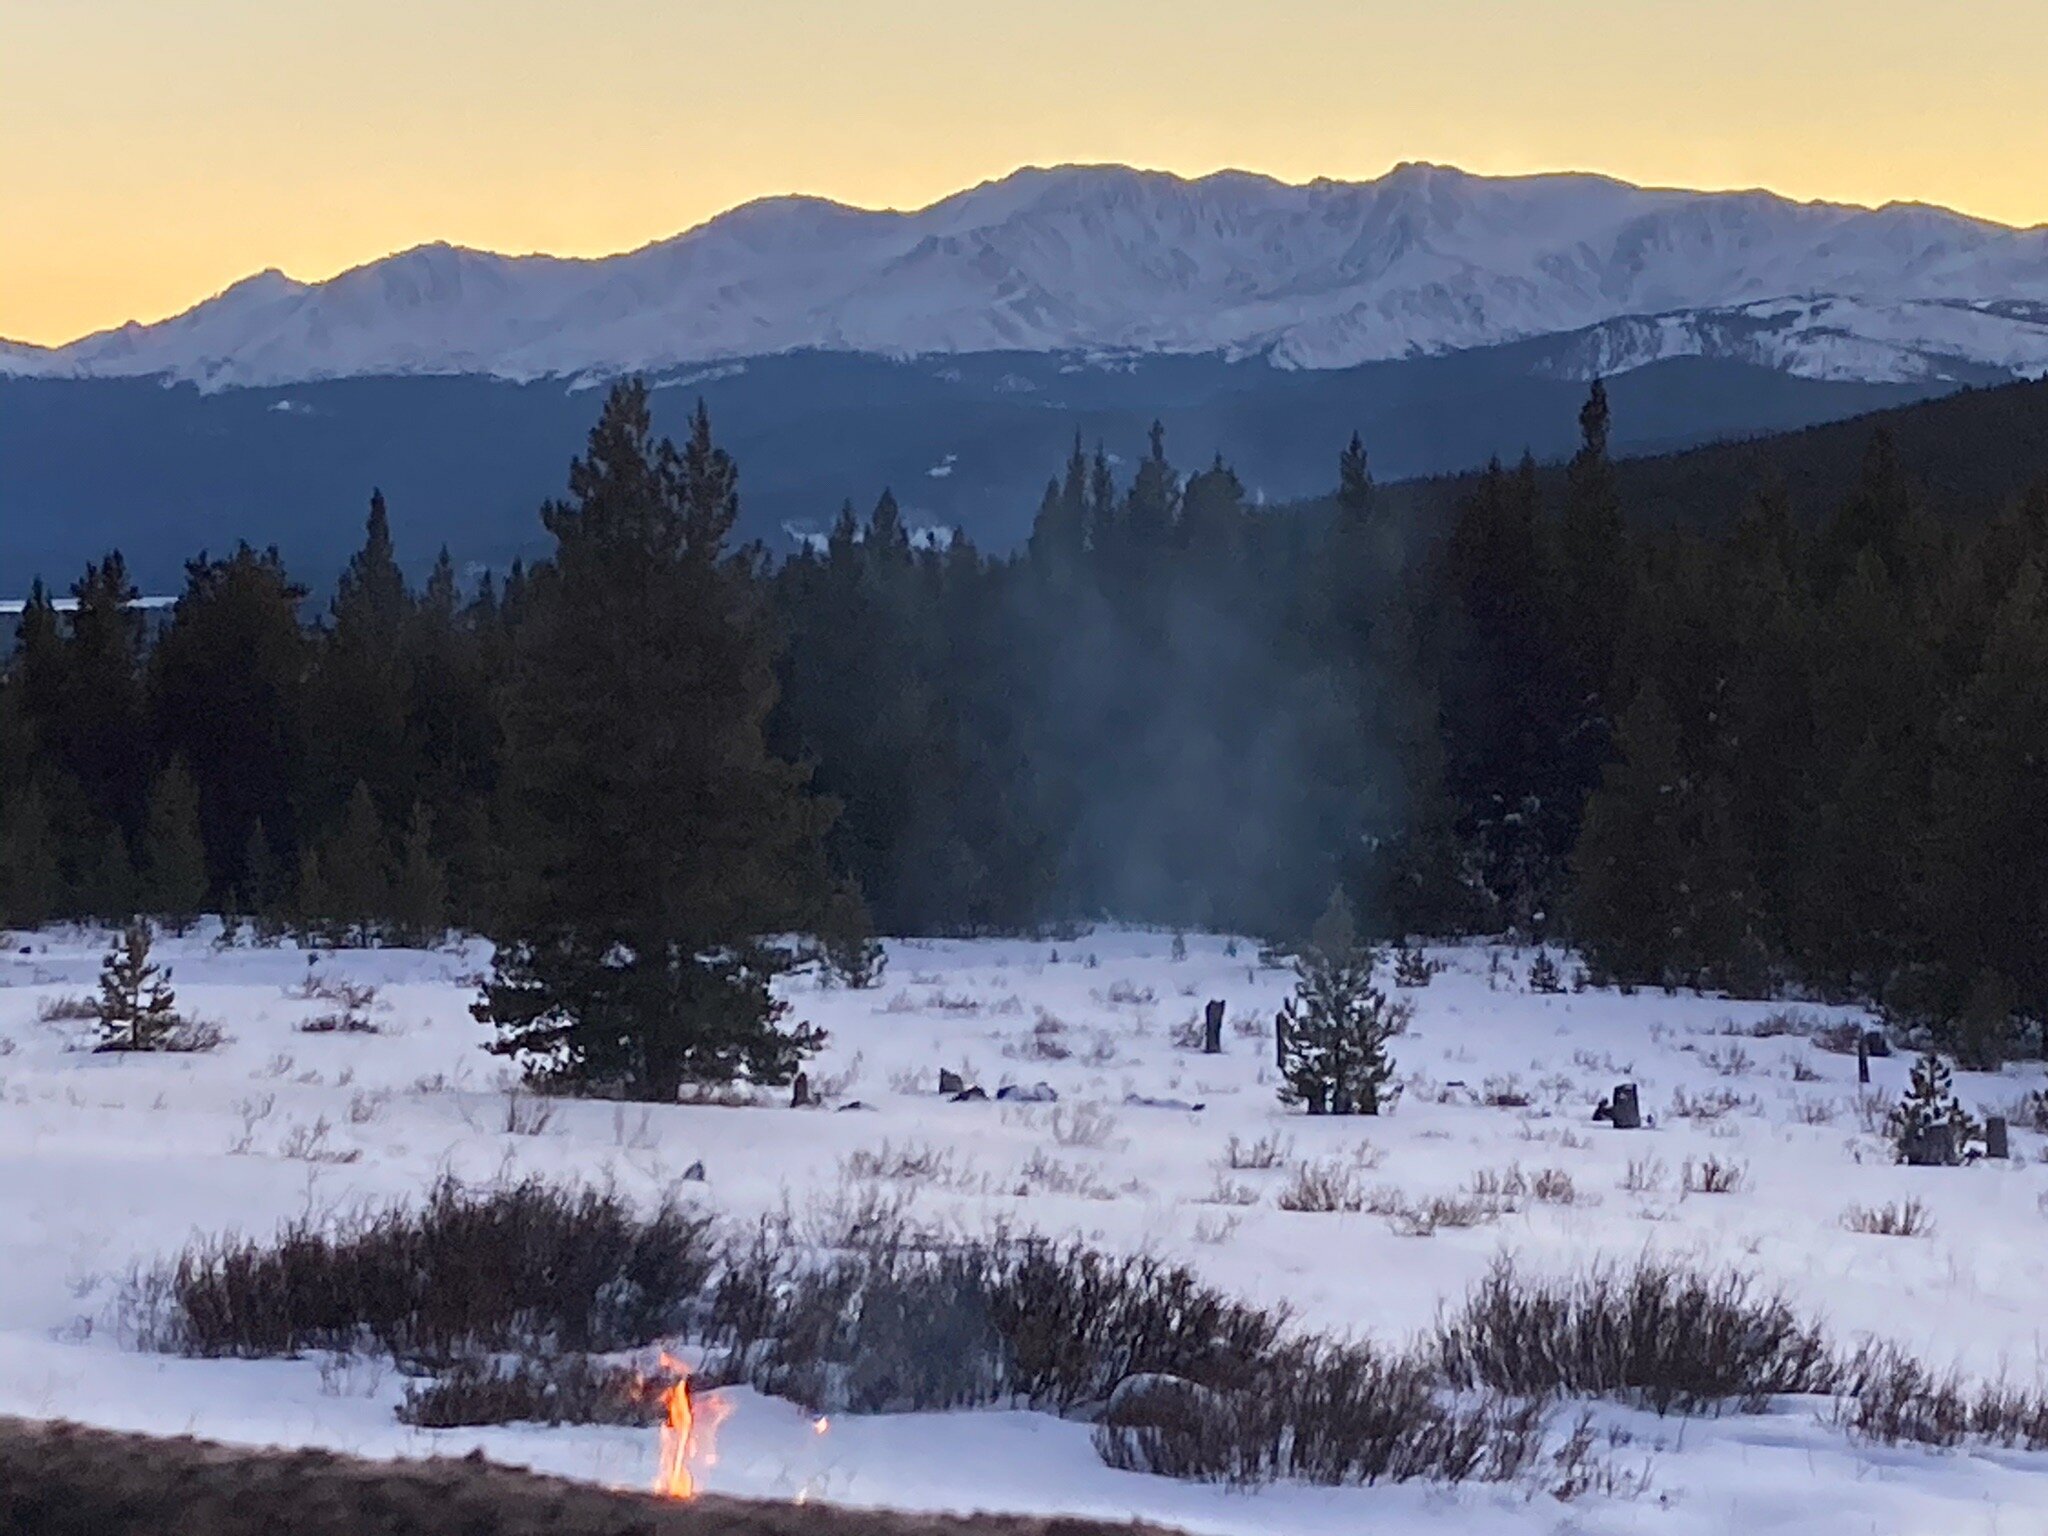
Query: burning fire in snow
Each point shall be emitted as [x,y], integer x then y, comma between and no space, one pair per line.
[688,1439]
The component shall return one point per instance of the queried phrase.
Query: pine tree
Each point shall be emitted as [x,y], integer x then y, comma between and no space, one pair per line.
[137,1009]
[1336,1027]
[658,839]
[854,957]
[1154,502]
[31,886]
[361,678]
[1929,1126]
[262,888]
[1354,481]
[226,683]
[105,887]
[1630,861]
[419,893]
[312,909]
[174,853]
[356,866]
[103,711]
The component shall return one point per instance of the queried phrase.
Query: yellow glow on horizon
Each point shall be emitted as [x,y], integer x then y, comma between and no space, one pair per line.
[151,154]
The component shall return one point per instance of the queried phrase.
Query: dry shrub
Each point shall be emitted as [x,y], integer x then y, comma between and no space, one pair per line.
[340,1022]
[1330,1414]
[1455,1211]
[1044,1043]
[1890,1398]
[903,1322]
[1655,1335]
[1321,1187]
[1083,1125]
[1645,1175]
[528,1266]
[67,1010]
[1228,1192]
[1266,1153]
[569,1390]
[915,1162]
[1904,1218]
[1713,1176]
[1043,1175]
[1705,1107]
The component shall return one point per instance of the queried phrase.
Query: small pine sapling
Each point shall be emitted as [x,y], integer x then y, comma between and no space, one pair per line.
[1412,968]
[1929,1128]
[137,1009]
[854,957]
[1544,975]
[1334,1030]
[1180,947]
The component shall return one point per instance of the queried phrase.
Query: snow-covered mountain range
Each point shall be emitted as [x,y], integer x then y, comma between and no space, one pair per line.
[1108,260]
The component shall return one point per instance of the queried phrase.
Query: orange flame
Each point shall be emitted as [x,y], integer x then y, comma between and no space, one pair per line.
[688,1438]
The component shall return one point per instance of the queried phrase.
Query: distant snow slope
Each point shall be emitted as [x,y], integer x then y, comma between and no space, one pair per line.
[1105,259]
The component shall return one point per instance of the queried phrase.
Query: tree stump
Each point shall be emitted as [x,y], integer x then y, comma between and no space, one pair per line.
[1212,1028]
[800,1092]
[1997,1137]
[1627,1114]
[1863,1059]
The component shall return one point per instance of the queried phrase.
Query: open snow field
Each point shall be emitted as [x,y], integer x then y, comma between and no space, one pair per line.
[107,1162]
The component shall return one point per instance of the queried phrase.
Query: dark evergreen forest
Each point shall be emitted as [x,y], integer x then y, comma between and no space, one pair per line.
[1743,750]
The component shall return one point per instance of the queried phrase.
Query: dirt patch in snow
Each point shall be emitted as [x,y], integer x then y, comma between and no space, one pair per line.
[60,1479]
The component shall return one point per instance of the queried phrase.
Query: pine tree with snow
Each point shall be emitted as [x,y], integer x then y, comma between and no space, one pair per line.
[1929,1128]
[1333,1047]
[137,1009]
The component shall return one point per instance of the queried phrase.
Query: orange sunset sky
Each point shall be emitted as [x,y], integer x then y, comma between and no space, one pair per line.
[152,153]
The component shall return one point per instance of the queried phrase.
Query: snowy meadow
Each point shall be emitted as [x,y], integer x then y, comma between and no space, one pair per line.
[353,1080]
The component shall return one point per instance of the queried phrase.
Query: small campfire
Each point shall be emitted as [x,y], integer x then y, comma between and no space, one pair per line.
[689,1435]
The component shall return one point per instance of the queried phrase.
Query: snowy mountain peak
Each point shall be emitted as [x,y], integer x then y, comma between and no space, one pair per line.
[1107,258]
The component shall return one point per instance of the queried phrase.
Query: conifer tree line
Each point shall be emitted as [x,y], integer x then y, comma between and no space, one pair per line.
[1798,752]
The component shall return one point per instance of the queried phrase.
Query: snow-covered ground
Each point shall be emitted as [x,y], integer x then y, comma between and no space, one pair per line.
[109,1162]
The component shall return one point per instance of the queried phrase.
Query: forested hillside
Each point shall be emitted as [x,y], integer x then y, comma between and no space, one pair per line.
[1793,738]
[1967,453]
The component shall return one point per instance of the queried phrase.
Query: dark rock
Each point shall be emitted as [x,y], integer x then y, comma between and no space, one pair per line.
[970,1096]
[1036,1093]
[1997,1137]
[1628,1111]
[951,1082]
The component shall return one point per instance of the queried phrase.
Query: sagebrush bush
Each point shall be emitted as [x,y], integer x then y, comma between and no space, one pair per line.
[1655,1334]
[901,1323]
[1890,1398]
[1325,1413]
[531,1266]
[570,1389]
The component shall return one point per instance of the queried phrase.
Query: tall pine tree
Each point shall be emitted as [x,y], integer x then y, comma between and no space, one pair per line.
[659,842]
